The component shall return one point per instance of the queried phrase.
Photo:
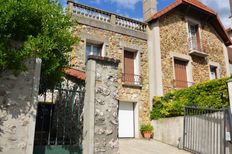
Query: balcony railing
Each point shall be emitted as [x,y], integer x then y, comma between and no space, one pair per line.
[193,44]
[179,84]
[195,48]
[107,17]
[131,79]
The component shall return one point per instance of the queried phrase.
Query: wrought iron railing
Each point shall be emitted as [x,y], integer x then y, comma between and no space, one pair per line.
[59,121]
[131,79]
[193,44]
[107,17]
[182,84]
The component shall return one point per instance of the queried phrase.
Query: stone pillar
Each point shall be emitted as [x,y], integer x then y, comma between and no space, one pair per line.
[18,104]
[230,92]
[113,19]
[101,106]
[70,5]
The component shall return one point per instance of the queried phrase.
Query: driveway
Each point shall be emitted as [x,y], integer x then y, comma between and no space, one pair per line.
[139,146]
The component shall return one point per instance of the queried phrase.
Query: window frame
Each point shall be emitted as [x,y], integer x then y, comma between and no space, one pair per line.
[137,66]
[194,22]
[218,69]
[92,44]
[186,58]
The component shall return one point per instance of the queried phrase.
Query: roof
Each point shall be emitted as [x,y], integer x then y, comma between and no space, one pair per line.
[75,73]
[216,22]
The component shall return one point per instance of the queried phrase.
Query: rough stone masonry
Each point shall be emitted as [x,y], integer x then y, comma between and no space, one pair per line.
[101,107]
[18,102]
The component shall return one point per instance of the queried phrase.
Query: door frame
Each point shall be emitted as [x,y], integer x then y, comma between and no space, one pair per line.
[135,115]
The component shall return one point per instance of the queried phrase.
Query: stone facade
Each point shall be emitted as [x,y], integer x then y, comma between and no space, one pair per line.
[101,107]
[114,45]
[106,109]
[174,40]
[18,103]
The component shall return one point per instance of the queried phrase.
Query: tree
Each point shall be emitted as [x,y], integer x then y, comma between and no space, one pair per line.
[35,28]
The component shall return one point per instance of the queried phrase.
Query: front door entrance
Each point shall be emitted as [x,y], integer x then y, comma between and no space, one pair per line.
[126,120]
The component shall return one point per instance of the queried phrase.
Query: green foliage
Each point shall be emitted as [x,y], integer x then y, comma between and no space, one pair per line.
[35,28]
[146,128]
[209,94]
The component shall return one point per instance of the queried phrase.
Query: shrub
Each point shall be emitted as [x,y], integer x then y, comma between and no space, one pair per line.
[146,128]
[209,94]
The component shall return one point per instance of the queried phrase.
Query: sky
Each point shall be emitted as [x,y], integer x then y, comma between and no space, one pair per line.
[133,8]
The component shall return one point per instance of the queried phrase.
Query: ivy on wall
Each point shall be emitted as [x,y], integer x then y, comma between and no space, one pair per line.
[209,94]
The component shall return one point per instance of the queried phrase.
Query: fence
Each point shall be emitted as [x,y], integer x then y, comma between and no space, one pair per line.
[205,130]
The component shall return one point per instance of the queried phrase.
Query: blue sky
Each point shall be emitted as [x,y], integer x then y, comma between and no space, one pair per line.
[133,8]
[130,8]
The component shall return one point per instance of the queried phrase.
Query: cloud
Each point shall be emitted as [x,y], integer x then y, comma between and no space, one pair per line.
[222,7]
[128,4]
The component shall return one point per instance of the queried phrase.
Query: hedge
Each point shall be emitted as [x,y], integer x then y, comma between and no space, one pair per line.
[209,94]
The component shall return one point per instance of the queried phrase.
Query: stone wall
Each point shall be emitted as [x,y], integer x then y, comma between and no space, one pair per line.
[114,45]
[101,107]
[174,39]
[18,103]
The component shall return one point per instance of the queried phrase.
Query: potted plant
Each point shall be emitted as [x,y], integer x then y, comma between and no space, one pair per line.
[146,130]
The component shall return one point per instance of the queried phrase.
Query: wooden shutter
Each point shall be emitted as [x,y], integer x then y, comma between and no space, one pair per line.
[129,67]
[180,74]
[198,37]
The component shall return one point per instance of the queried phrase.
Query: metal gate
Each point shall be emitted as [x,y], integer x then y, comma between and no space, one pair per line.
[205,130]
[59,122]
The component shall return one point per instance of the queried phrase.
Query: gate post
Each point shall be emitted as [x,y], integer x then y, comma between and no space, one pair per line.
[100,129]
[230,92]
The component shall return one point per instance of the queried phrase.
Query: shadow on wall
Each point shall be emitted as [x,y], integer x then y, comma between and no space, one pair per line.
[17,107]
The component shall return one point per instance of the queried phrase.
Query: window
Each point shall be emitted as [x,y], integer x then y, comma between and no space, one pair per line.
[180,73]
[131,73]
[93,49]
[213,72]
[194,37]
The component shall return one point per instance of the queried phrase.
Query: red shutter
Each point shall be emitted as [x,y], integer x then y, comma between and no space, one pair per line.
[198,38]
[129,67]
[180,74]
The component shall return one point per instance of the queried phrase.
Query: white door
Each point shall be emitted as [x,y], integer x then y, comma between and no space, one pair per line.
[126,120]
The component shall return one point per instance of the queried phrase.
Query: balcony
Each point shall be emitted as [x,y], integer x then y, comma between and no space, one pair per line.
[179,84]
[195,48]
[131,80]
[107,17]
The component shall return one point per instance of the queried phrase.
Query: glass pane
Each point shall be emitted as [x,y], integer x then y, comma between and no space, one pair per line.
[192,30]
[88,50]
[96,51]
[213,72]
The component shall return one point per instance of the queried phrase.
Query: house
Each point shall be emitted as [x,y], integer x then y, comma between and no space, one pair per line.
[192,45]
[183,44]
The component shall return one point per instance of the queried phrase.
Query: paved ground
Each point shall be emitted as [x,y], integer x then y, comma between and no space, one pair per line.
[137,146]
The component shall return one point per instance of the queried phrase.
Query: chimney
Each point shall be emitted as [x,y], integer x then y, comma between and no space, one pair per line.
[149,8]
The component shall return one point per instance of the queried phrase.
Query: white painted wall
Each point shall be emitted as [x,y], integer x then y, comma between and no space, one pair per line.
[154,61]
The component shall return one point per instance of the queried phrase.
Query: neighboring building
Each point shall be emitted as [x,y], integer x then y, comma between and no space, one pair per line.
[175,48]
[110,35]
[192,44]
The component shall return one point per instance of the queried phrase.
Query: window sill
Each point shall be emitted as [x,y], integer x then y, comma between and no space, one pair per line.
[198,53]
[132,85]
